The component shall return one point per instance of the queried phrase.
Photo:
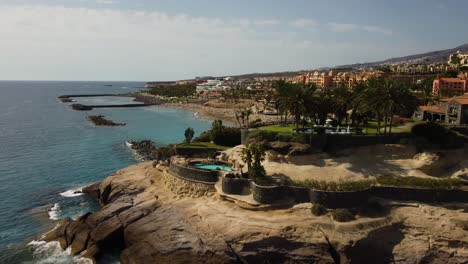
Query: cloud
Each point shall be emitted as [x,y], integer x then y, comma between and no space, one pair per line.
[304,23]
[55,42]
[78,43]
[343,28]
[267,22]
[106,2]
[340,27]
[376,29]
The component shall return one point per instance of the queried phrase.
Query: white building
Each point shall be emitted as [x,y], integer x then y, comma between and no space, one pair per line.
[212,85]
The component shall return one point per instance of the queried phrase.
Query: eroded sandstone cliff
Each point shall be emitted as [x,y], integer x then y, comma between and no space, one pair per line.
[157,218]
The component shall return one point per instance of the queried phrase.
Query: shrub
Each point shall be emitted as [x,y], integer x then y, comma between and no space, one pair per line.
[343,215]
[229,136]
[261,135]
[299,138]
[336,186]
[216,130]
[203,137]
[318,210]
[284,137]
[189,135]
[417,182]
[436,134]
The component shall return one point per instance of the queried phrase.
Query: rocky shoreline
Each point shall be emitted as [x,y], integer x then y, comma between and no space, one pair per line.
[101,121]
[147,150]
[157,218]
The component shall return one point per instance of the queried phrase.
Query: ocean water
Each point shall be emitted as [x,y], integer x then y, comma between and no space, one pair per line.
[48,150]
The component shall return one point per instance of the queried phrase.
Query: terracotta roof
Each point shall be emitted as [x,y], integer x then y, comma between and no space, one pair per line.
[452,79]
[462,99]
[432,108]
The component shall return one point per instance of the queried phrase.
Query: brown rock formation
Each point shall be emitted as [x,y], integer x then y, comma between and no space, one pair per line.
[157,218]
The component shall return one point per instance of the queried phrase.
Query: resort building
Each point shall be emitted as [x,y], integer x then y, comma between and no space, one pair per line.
[335,79]
[459,58]
[449,85]
[211,85]
[451,111]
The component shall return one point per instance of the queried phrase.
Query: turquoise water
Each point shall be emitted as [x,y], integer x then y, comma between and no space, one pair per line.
[48,150]
[212,167]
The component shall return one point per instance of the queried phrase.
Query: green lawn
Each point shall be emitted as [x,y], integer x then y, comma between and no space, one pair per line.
[370,128]
[279,128]
[202,145]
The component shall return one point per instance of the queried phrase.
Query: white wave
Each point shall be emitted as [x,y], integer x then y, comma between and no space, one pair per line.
[54,212]
[73,192]
[135,154]
[51,252]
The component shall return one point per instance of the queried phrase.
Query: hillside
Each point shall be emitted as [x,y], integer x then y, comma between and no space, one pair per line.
[428,57]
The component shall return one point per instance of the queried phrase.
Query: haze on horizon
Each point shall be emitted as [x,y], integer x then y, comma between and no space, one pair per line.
[146,40]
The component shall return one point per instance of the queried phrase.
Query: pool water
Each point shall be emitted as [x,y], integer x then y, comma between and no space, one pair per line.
[213,166]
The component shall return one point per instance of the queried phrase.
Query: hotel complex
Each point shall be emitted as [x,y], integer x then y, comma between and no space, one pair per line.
[447,86]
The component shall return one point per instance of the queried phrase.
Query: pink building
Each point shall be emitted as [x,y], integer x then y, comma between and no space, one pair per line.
[449,85]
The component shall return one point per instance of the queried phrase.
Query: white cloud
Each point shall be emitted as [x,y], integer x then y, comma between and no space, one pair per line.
[65,43]
[344,27]
[106,2]
[267,22]
[304,23]
[341,27]
[376,29]
[53,42]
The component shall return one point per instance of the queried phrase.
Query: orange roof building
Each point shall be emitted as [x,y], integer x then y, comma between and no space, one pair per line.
[451,111]
[442,86]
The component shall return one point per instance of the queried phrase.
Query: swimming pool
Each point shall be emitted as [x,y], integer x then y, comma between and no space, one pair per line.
[212,166]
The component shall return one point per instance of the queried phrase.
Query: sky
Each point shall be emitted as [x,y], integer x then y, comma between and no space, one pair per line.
[158,40]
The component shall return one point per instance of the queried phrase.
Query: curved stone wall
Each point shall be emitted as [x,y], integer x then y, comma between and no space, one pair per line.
[235,185]
[268,194]
[193,174]
[271,194]
[420,195]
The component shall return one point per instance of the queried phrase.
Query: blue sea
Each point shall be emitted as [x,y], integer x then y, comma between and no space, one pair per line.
[47,151]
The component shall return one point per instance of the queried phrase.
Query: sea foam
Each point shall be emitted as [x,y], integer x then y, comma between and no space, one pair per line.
[73,192]
[54,212]
[51,252]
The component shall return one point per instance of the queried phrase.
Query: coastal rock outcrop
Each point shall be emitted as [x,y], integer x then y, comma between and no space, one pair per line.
[101,121]
[147,150]
[81,107]
[157,218]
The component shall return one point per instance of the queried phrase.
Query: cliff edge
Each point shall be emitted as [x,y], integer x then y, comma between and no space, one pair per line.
[157,218]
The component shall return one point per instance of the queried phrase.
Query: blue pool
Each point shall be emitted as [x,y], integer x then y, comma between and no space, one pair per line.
[213,166]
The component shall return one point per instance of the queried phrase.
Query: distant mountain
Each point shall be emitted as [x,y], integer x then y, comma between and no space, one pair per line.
[429,57]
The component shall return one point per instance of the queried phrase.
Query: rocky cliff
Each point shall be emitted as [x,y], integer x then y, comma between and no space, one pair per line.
[157,218]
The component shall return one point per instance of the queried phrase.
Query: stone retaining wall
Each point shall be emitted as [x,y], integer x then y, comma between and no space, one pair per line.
[193,174]
[420,195]
[235,185]
[271,194]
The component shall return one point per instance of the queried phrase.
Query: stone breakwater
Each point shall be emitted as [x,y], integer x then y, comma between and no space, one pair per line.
[157,218]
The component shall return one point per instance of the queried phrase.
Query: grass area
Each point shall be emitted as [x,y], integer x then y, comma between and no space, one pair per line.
[414,182]
[336,186]
[370,128]
[417,182]
[279,128]
[202,145]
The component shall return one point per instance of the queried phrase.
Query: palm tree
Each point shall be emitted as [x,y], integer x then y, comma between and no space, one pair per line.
[342,102]
[374,99]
